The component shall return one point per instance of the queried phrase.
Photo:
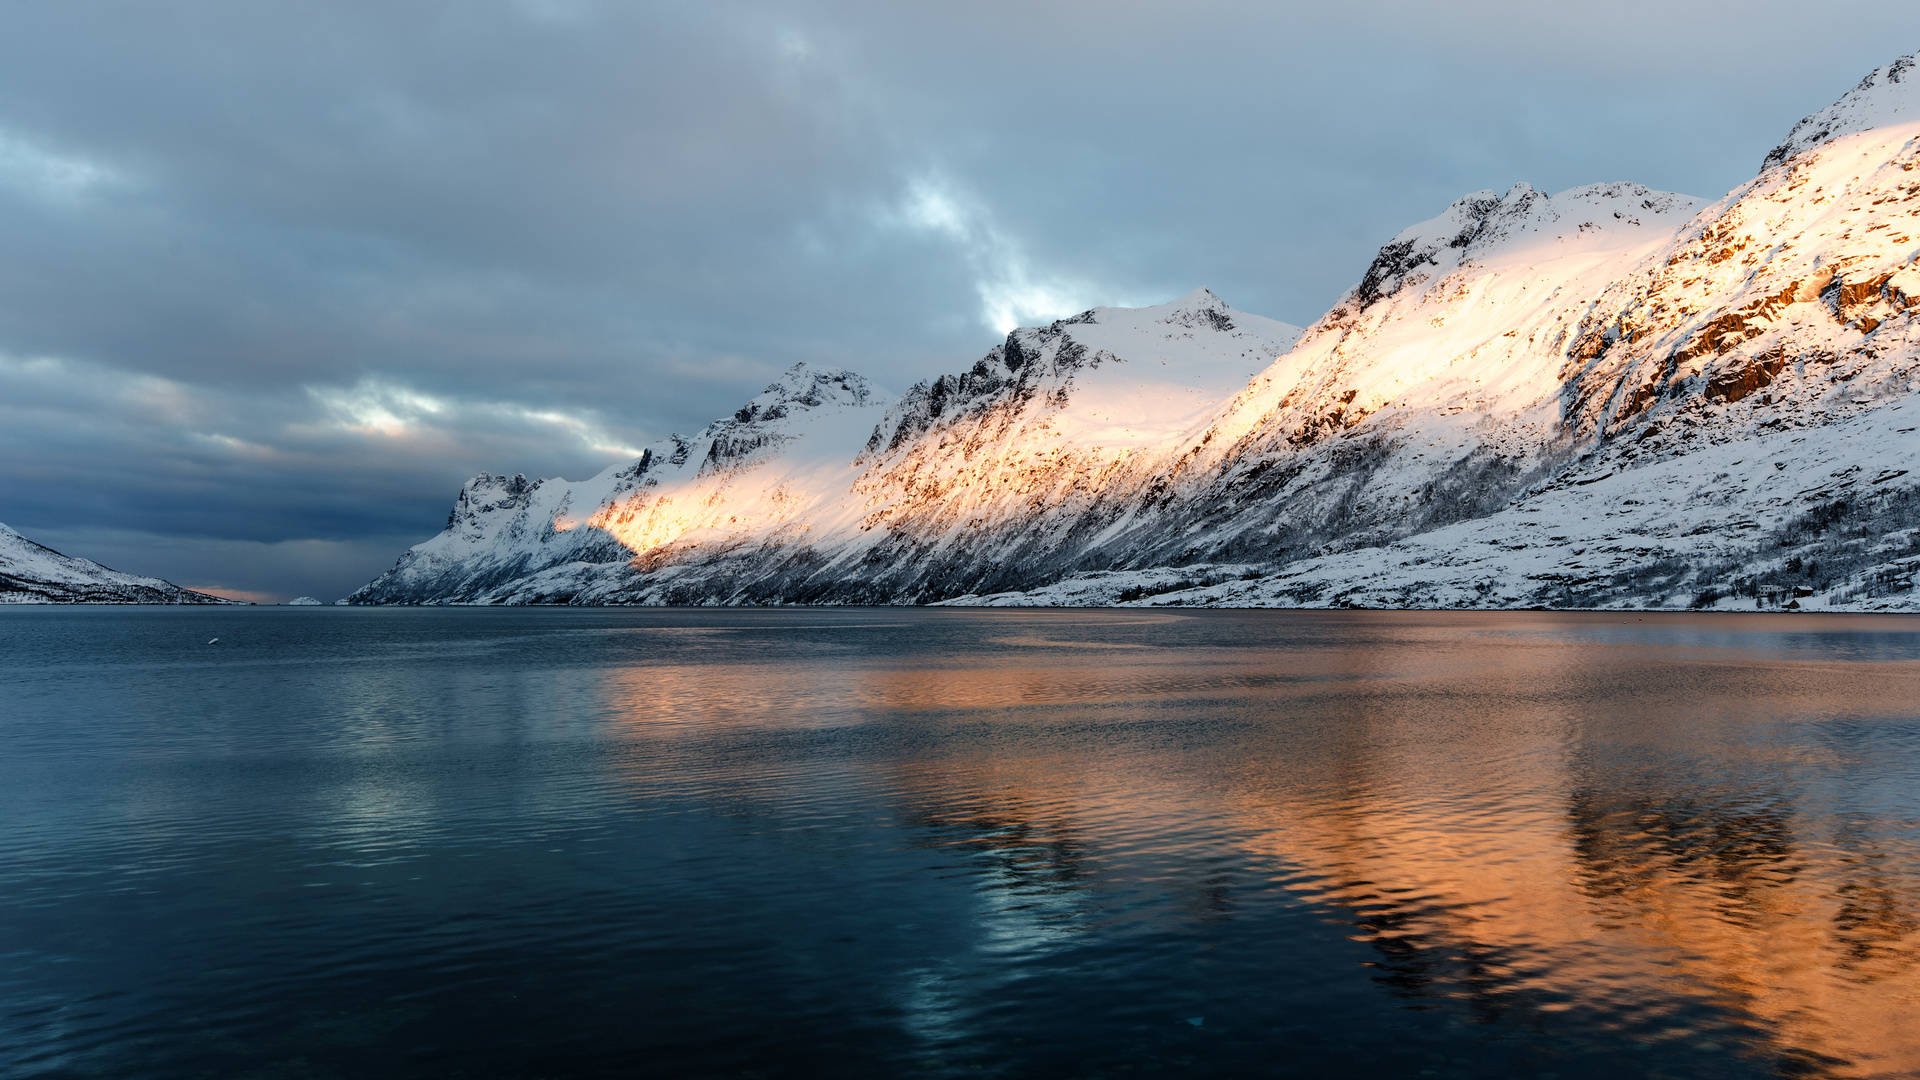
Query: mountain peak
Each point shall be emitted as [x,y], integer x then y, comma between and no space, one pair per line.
[1888,95]
[1200,310]
[807,386]
[1200,299]
[1198,303]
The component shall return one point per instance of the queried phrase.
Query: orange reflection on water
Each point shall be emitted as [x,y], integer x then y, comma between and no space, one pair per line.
[1515,822]
[1519,843]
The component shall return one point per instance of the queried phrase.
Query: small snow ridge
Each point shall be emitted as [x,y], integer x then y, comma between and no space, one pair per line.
[1200,299]
[808,386]
[1888,95]
[1478,224]
[33,573]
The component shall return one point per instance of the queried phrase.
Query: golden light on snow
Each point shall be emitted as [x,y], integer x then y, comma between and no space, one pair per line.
[1454,432]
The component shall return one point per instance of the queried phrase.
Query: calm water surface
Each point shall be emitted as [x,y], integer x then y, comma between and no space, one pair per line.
[550,843]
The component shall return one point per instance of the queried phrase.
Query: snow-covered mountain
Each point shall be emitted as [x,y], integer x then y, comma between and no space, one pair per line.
[1012,473]
[826,489]
[1606,396]
[1731,418]
[1429,394]
[769,473]
[33,574]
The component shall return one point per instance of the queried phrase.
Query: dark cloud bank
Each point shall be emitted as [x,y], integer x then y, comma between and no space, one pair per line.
[274,279]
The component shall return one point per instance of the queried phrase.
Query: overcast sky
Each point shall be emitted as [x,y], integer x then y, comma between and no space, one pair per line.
[276,278]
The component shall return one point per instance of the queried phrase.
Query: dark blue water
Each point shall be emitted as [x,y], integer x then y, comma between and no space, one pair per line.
[553,843]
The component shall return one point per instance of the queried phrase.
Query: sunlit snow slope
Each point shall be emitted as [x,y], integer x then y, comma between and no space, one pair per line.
[1010,473]
[33,574]
[1731,420]
[756,475]
[1429,394]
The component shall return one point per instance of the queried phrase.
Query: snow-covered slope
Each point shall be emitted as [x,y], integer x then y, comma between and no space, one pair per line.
[1817,522]
[33,574]
[1008,473]
[1605,396]
[1886,98]
[1429,394]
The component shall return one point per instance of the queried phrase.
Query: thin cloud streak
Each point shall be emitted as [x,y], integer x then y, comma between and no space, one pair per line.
[1012,291]
[374,407]
[37,172]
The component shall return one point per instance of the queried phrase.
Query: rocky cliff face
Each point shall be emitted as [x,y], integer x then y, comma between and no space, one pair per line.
[1605,396]
[34,574]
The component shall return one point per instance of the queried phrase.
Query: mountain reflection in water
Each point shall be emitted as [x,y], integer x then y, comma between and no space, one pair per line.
[928,843]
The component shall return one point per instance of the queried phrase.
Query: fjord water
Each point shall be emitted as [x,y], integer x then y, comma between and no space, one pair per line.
[537,842]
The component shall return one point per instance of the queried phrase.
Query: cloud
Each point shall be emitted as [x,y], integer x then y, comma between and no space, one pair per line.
[1012,291]
[158,476]
[32,169]
[378,408]
[287,274]
[372,407]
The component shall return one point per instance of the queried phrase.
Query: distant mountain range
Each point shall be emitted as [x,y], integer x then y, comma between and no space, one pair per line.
[1605,397]
[33,574]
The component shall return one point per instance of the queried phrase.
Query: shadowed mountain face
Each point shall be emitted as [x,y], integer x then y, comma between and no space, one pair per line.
[1609,396]
[33,574]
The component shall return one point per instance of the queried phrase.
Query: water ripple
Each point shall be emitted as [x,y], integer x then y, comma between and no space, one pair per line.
[943,843]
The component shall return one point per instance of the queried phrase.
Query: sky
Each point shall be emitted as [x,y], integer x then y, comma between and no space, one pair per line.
[275,279]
